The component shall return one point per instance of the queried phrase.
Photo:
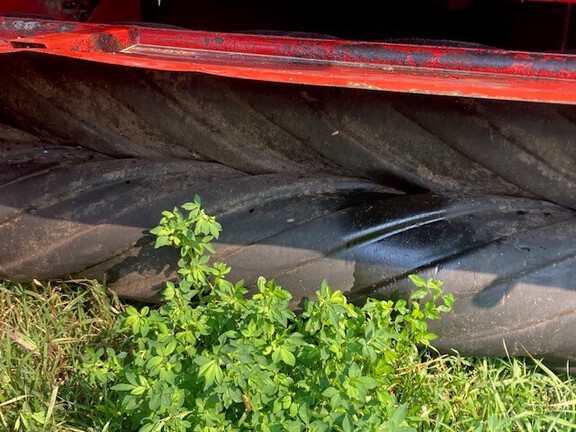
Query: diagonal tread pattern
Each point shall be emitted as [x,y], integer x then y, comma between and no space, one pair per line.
[410,142]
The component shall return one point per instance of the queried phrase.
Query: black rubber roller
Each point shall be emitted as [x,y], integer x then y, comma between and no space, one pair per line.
[410,142]
[509,261]
[91,218]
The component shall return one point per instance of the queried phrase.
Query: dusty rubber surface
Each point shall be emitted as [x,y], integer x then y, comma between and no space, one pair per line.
[90,218]
[410,142]
[509,261]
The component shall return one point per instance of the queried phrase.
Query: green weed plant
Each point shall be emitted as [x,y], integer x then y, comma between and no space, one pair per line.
[213,358]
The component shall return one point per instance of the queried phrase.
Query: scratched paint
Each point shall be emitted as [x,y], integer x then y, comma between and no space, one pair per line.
[441,70]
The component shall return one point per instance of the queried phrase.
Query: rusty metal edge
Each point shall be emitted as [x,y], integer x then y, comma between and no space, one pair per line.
[439,70]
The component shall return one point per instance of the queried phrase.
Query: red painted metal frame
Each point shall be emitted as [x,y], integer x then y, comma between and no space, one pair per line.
[485,73]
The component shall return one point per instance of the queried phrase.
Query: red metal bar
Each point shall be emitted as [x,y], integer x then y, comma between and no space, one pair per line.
[486,73]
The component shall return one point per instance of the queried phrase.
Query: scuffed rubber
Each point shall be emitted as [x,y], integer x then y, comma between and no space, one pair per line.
[409,142]
[509,261]
[90,219]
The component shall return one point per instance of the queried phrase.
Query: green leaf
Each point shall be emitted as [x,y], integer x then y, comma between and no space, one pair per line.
[215,229]
[162,241]
[132,311]
[399,414]
[211,372]
[158,230]
[169,349]
[354,370]
[347,424]
[287,357]
[304,412]
[367,382]
[190,206]
[417,280]
[154,362]
[337,400]
[294,426]
[419,294]
[329,392]
[123,387]
[138,390]
[39,417]
[201,360]
[147,428]
[169,291]
[132,379]
[155,401]
[144,328]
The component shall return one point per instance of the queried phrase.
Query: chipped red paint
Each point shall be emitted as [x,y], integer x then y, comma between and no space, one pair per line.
[485,73]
